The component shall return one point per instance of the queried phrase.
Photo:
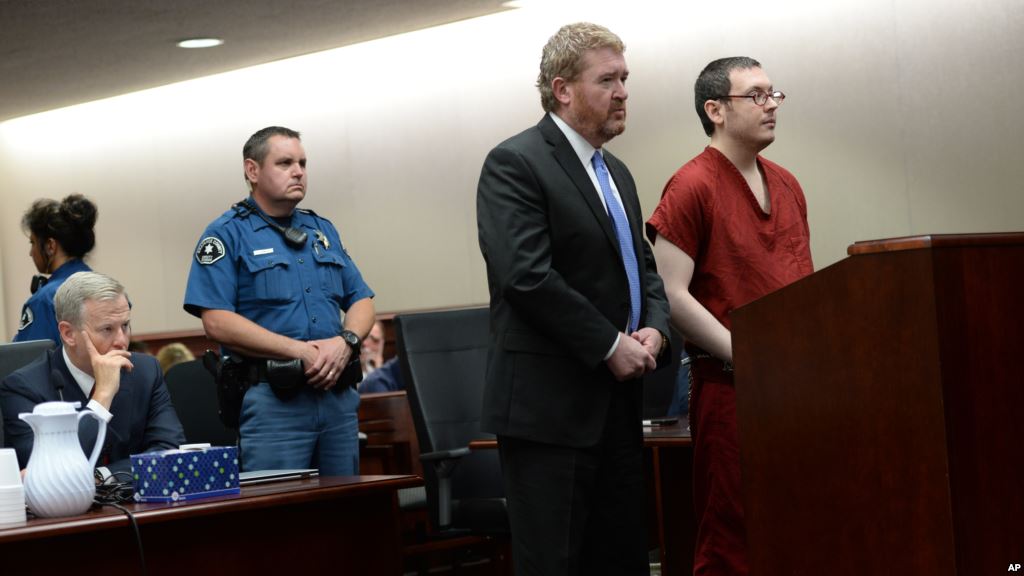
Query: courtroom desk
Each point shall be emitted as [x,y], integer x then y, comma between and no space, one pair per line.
[391,444]
[668,466]
[669,470]
[336,525]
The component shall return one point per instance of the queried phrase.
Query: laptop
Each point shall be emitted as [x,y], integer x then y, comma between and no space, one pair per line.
[261,476]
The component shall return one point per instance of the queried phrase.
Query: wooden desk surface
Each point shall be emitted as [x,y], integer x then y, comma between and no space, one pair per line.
[311,523]
[675,435]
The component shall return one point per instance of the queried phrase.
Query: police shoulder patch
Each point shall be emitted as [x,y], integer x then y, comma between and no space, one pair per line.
[210,250]
[26,318]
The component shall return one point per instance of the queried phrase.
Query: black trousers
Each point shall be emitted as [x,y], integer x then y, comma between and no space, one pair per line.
[579,511]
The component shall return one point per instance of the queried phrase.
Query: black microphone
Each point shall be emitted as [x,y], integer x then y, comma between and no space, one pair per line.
[293,236]
[38,281]
[58,382]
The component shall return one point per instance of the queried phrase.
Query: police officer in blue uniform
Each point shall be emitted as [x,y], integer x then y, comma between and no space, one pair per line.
[61,234]
[270,281]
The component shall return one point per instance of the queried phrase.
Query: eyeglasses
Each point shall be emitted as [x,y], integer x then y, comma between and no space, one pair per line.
[761,98]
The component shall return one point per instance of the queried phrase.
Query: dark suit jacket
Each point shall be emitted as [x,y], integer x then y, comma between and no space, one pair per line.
[558,288]
[144,419]
[387,378]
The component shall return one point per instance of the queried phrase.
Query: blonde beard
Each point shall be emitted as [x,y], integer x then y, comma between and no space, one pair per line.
[603,132]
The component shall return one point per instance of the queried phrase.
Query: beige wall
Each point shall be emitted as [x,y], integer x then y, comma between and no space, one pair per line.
[903,117]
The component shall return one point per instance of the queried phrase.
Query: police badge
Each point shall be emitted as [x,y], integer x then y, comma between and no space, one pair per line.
[210,250]
[26,318]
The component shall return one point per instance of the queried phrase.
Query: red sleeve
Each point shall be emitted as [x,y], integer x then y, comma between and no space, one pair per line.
[680,217]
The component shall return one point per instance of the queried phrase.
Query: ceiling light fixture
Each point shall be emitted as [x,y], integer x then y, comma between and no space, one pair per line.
[200,43]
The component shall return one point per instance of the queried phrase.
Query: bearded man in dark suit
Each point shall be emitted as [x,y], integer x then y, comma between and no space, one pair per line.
[578,316]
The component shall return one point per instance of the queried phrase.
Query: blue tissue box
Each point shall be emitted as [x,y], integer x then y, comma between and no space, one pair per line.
[173,475]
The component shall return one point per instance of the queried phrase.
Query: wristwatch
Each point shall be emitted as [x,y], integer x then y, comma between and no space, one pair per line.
[352,339]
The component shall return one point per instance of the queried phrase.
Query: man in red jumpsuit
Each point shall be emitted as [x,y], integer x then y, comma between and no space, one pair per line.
[731,227]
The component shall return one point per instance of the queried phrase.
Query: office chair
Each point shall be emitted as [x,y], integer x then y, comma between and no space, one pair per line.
[444,359]
[194,395]
[15,355]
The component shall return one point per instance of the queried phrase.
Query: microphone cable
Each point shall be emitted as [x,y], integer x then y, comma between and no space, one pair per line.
[115,490]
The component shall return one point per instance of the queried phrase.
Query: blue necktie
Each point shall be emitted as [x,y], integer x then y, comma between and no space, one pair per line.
[625,237]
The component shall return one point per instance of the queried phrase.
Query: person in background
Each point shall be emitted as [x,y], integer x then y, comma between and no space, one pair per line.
[731,227]
[578,316]
[379,375]
[387,378]
[60,235]
[95,369]
[371,355]
[173,353]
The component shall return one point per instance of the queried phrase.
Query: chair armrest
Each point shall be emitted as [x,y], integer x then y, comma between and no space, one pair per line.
[444,455]
[444,462]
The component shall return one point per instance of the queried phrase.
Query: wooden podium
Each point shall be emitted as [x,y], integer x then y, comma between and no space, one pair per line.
[880,407]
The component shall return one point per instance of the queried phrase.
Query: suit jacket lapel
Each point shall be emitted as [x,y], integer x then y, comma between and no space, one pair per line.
[121,404]
[72,392]
[89,429]
[570,162]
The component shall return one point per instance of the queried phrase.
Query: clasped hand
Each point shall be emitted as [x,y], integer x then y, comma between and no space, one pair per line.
[325,360]
[635,355]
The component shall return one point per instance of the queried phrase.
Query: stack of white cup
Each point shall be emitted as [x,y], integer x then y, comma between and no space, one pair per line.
[12,493]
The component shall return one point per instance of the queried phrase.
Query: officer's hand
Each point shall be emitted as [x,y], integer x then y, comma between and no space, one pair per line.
[630,359]
[309,355]
[106,368]
[333,357]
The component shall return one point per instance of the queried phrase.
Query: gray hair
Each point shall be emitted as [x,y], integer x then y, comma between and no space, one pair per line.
[562,56]
[82,286]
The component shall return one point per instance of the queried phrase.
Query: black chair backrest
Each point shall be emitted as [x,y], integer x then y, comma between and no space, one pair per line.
[444,362]
[660,385]
[15,355]
[194,395]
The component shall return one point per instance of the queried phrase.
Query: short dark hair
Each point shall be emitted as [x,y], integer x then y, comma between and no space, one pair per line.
[713,83]
[70,222]
[256,146]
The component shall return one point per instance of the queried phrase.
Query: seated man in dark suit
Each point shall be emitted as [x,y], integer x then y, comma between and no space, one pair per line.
[378,375]
[386,378]
[95,368]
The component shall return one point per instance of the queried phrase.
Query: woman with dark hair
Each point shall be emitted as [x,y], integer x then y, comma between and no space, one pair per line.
[60,234]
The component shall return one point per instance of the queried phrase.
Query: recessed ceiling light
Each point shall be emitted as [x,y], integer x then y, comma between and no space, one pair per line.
[200,43]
